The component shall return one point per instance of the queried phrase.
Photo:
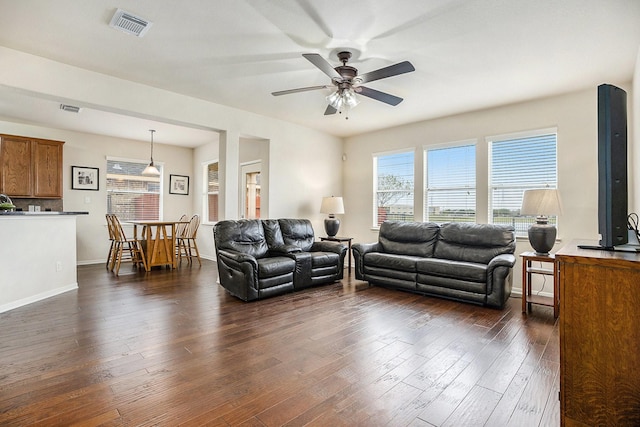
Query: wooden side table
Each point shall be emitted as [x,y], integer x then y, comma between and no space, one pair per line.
[528,270]
[341,239]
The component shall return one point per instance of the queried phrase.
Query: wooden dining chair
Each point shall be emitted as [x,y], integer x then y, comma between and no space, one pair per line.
[112,238]
[186,243]
[181,226]
[125,249]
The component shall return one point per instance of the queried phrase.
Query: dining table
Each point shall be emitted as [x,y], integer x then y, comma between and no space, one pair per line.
[158,240]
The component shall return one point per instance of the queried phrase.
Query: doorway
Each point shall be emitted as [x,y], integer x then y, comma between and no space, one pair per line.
[250,197]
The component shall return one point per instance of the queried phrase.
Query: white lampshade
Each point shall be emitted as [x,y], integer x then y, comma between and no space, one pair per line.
[541,202]
[332,205]
[151,170]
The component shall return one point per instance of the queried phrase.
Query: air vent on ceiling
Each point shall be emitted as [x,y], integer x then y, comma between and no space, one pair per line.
[129,23]
[70,108]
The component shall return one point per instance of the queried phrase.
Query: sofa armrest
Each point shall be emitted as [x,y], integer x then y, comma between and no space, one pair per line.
[238,257]
[359,250]
[238,273]
[499,279]
[505,260]
[327,246]
[364,248]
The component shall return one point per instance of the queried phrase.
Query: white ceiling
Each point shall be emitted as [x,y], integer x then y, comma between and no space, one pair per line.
[468,55]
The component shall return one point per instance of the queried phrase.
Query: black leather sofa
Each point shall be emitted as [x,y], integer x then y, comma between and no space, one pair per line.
[263,258]
[468,262]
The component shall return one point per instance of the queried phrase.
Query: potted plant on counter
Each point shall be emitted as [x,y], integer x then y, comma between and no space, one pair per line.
[5,204]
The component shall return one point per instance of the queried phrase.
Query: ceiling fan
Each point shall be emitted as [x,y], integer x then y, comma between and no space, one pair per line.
[347,81]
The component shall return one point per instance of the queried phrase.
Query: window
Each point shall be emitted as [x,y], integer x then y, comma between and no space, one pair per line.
[518,164]
[450,184]
[213,192]
[393,188]
[130,195]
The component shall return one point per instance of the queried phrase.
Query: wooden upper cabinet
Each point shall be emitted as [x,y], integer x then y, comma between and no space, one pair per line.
[47,169]
[30,167]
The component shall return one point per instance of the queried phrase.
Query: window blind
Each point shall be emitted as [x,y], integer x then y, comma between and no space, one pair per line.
[450,187]
[517,165]
[130,195]
[394,187]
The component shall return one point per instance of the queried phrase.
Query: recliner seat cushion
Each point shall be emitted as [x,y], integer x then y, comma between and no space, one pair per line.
[324,259]
[408,238]
[275,266]
[468,271]
[391,261]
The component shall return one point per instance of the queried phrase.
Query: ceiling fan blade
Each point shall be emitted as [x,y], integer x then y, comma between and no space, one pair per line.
[378,96]
[330,110]
[383,73]
[323,65]
[301,89]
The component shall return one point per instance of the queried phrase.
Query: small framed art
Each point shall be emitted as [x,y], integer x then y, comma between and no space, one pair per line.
[84,178]
[178,184]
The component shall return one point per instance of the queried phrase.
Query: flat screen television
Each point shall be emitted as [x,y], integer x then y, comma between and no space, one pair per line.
[612,166]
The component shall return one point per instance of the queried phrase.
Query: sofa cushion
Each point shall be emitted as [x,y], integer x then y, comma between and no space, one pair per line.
[297,232]
[469,271]
[391,261]
[272,232]
[245,236]
[408,238]
[478,243]
[324,259]
[275,266]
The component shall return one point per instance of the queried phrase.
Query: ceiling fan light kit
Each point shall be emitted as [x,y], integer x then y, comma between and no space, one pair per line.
[348,83]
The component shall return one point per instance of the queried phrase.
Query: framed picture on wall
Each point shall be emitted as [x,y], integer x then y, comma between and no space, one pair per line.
[84,178]
[178,184]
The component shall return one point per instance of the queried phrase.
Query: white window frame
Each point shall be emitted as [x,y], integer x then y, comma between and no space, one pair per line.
[375,157]
[206,192]
[452,145]
[160,166]
[520,231]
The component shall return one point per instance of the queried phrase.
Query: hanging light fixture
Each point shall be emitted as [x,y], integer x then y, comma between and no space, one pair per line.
[151,169]
[343,99]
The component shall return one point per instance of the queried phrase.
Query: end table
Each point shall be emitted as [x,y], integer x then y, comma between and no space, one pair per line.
[341,239]
[528,270]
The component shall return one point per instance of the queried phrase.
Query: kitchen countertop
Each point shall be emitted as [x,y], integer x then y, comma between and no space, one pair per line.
[41,213]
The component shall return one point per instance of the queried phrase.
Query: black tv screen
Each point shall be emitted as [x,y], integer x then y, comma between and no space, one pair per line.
[612,166]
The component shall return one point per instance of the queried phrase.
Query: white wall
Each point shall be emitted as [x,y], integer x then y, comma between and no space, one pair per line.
[83,149]
[634,135]
[574,115]
[304,164]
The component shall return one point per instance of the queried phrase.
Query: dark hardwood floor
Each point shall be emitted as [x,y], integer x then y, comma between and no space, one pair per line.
[172,348]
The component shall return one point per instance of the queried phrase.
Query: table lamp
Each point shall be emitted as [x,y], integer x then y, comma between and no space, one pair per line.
[543,203]
[332,206]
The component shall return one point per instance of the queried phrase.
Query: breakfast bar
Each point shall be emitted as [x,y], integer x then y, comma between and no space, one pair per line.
[38,253]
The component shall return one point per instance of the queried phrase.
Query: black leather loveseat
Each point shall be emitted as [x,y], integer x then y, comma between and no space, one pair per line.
[263,258]
[469,262]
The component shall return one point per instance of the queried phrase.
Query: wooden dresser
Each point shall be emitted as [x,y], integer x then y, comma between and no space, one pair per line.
[599,337]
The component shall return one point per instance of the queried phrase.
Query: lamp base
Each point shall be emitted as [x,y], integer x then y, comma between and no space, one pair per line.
[331,226]
[542,237]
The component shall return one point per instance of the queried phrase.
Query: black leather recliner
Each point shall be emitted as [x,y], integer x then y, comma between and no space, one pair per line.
[263,258]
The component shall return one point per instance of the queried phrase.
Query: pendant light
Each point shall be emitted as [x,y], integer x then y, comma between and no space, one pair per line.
[151,170]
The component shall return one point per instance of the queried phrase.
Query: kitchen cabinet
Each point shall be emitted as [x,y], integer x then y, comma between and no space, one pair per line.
[30,167]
